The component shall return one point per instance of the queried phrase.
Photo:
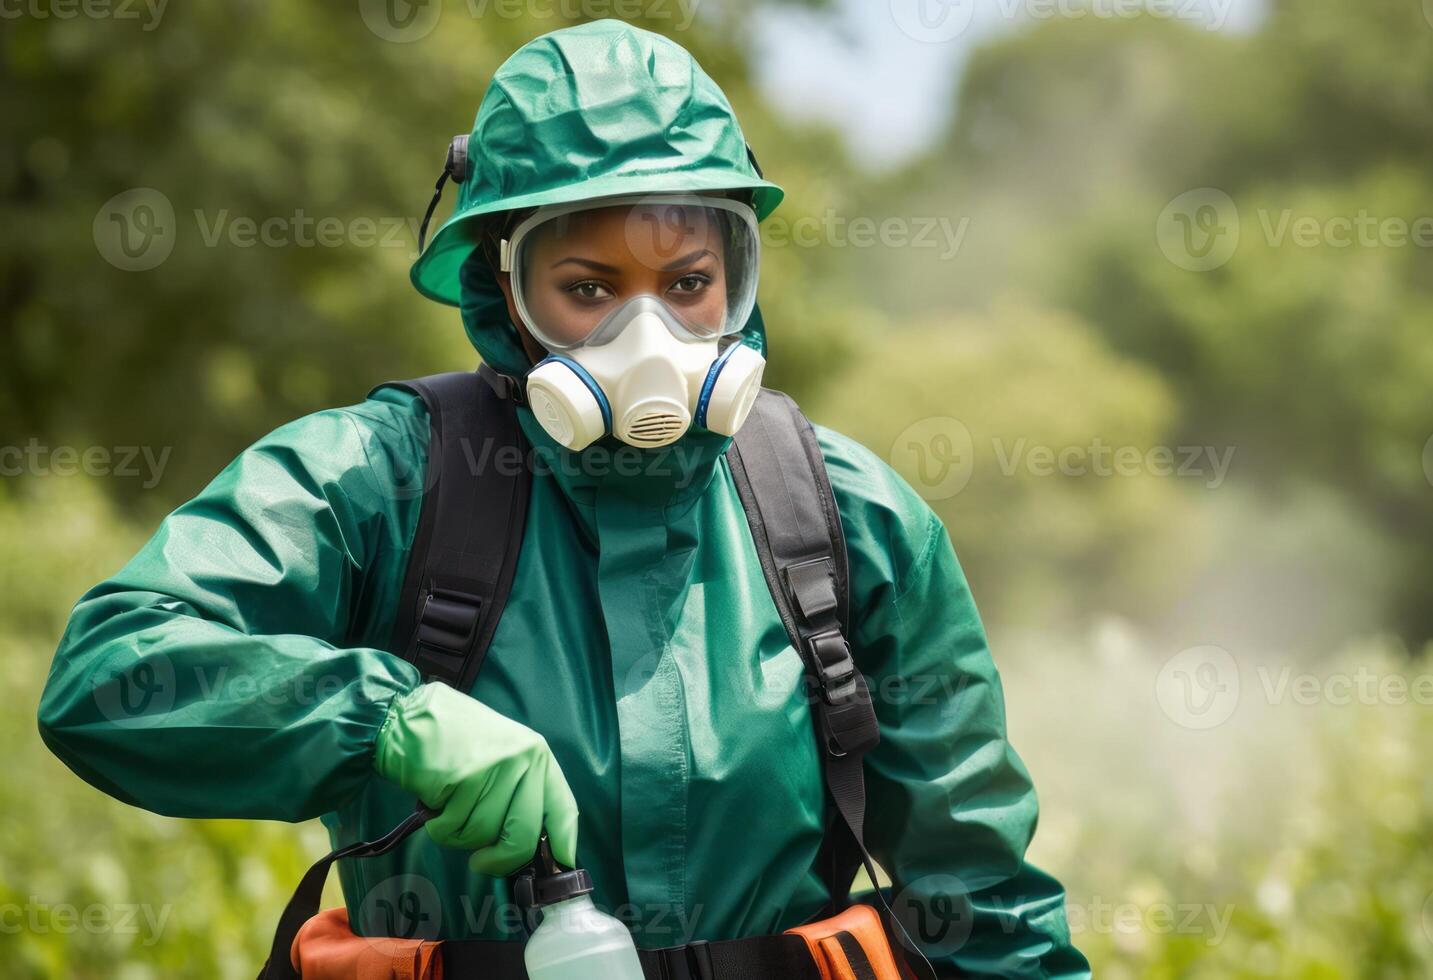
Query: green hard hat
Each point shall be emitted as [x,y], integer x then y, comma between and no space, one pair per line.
[591,111]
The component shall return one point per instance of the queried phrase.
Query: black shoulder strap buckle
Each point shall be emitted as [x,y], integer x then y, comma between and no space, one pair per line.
[835,668]
[844,712]
[506,386]
[780,474]
[812,586]
[447,624]
[470,527]
[690,962]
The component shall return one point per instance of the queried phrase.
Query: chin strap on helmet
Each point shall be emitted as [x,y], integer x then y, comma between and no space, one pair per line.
[456,166]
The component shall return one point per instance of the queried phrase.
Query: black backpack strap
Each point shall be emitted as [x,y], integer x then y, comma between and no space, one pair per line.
[780,475]
[309,894]
[470,528]
[777,957]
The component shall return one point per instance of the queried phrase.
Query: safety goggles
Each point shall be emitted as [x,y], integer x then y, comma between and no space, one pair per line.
[573,266]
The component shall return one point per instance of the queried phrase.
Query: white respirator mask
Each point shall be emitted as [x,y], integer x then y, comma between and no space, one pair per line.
[634,330]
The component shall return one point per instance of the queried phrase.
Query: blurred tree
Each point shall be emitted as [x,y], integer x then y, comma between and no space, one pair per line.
[1070,141]
[1040,514]
[275,160]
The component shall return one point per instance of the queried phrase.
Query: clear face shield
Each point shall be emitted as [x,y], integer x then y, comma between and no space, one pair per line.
[631,297]
[575,268]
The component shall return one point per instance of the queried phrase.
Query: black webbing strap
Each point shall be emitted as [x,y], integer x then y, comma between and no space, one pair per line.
[469,530]
[309,894]
[777,957]
[796,526]
[780,475]
[861,968]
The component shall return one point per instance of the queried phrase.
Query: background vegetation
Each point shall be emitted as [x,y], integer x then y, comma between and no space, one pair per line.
[1290,840]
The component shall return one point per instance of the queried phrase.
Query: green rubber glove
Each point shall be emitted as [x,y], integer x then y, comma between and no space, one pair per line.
[493,781]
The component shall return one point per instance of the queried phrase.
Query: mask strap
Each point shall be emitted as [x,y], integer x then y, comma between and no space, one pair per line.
[456,166]
[751,157]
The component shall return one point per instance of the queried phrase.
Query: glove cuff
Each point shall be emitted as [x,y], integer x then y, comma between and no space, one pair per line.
[388,748]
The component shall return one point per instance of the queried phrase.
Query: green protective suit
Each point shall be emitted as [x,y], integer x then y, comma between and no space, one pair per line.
[238,666]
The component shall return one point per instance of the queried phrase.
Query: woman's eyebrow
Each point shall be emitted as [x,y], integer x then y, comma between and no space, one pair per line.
[686,260]
[589,263]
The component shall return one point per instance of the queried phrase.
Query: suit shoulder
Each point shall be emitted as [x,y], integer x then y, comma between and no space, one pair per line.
[887,523]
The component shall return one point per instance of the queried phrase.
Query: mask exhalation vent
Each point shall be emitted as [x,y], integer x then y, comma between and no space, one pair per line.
[656,429]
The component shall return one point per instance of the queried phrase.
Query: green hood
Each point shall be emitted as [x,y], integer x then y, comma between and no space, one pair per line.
[591,111]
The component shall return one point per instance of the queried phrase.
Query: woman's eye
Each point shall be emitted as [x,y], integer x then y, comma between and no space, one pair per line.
[691,283]
[589,289]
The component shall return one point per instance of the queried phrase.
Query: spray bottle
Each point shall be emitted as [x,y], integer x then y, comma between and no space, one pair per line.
[575,941]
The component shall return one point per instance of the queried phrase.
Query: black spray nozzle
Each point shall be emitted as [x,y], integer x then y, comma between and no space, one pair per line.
[544,881]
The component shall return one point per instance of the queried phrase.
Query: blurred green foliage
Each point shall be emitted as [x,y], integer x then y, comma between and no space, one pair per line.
[1309,355]
[1293,834]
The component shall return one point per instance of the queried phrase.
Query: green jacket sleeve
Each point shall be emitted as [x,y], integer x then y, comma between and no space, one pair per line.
[214,675]
[951,808]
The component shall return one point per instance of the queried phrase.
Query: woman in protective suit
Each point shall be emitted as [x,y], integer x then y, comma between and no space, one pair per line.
[603,253]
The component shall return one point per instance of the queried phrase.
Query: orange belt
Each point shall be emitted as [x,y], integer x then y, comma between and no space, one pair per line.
[848,946]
